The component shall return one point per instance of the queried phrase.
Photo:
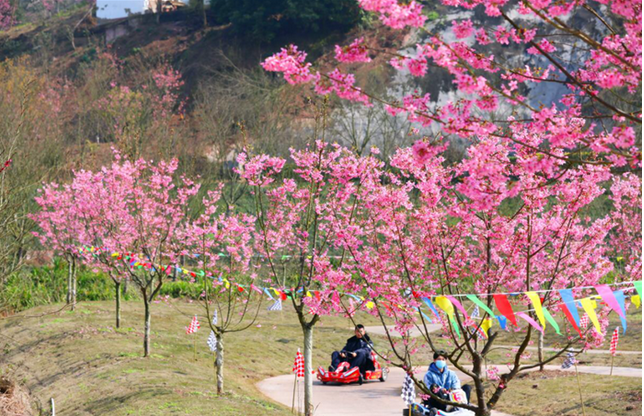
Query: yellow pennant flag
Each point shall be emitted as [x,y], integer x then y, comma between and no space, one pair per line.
[445,305]
[536,302]
[636,300]
[115,254]
[587,304]
[370,305]
[226,282]
[308,294]
[277,292]
[486,325]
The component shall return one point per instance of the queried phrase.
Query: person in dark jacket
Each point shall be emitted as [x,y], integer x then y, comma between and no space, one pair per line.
[441,381]
[356,351]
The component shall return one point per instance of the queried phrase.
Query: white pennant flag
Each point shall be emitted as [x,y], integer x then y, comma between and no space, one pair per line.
[212,342]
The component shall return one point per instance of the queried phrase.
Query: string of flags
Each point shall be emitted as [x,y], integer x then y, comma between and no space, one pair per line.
[450,304]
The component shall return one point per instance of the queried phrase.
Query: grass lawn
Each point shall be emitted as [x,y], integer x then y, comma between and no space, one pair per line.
[90,368]
[557,393]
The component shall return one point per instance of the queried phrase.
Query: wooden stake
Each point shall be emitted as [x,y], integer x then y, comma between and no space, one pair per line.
[194,343]
[612,359]
[214,365]
[410,410]
[583,408]
[293,403]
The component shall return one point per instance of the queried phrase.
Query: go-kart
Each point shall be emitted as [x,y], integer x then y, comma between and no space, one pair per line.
[345,374]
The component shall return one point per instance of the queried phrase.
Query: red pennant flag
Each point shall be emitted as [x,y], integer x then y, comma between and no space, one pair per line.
[503,305]
[283,296]
[566,312]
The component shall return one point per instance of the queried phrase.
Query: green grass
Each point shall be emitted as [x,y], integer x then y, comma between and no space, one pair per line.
[557,393]
[90,368]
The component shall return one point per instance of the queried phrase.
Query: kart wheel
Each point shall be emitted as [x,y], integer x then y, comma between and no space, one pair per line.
[383,376]
[360,379]
[324,382]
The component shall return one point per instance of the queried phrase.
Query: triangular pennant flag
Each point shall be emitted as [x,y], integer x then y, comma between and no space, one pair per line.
[458,305]
[621,301]
[503,321]
[486,325]
[551,320]
[455,325]
[587,304]
[637,300]
[608,297]
[638,287]
[569,303]
[480,303]
[566,312]
[432,307]
[538,309]
[503,305]
[445,305]
[530,321]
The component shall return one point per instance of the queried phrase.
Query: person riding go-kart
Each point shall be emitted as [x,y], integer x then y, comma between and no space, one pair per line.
[356,362]
[445,384]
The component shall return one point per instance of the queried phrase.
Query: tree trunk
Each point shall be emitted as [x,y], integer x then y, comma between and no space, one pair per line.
[71,282]
[308,370]
[540,351]
[203,11]
[74,283]
[219,363]
[146,336]
[117,285]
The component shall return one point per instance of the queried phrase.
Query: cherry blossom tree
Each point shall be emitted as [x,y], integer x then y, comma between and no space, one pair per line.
[132,212]
[501,65]
[294,228]
[222,245]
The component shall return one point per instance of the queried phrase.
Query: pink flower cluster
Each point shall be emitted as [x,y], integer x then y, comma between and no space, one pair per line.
[356,52]
[291,62]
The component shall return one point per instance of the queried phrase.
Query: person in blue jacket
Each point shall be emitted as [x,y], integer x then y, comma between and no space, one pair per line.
[441,380]
[356,351]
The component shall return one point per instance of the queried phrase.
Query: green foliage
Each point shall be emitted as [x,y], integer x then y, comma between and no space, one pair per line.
[264,20]
[181,289]
[48,284]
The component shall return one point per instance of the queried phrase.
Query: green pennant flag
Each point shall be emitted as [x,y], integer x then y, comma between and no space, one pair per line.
[455,325]
[638,287]
[551,320]
[482,305]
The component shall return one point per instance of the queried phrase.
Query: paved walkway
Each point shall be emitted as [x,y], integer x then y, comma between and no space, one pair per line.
[380,399]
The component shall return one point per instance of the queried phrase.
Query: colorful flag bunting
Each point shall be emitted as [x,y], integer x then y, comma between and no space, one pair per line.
[458,305]
[476,312]
[566,312]
[431,306]
[583,322]
[538,309]
[214,317]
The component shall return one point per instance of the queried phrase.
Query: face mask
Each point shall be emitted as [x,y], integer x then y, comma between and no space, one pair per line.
[440,364]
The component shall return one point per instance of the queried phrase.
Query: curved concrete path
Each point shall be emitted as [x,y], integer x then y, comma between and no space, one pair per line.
[380,399]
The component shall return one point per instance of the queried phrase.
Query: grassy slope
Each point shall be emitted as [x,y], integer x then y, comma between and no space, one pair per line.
[89,368]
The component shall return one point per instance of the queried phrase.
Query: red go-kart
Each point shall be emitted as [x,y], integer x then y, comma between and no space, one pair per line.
[344,374]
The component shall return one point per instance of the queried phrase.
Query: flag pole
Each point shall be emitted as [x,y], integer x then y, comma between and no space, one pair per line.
[194,343]
[612,359]
[409,406]
[583,408]
[293,402]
